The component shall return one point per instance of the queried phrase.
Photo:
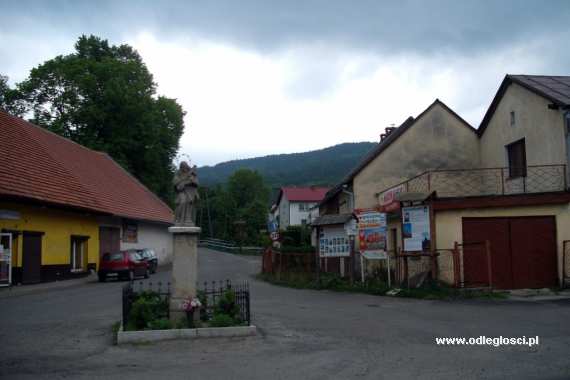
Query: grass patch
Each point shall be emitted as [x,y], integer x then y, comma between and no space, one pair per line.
[328,281]
[439,291]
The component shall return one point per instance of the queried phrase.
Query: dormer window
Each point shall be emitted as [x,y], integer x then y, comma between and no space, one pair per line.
[513,118]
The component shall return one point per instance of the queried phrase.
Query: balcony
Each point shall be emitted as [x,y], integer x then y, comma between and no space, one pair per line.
[452,183]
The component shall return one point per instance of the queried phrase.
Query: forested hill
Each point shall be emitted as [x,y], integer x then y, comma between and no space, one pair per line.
[319,167]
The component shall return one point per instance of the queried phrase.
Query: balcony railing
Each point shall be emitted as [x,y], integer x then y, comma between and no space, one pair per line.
[486,181]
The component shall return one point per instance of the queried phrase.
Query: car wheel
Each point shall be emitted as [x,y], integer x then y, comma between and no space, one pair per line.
[102,277]
[146,273]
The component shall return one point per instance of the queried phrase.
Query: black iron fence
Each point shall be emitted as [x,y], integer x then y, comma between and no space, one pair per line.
[211,293]
[209,296]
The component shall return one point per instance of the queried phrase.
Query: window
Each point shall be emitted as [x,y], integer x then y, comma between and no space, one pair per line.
[78,253]
[303,222]
[517,159]
[513,120]
[303,207]
[130,232]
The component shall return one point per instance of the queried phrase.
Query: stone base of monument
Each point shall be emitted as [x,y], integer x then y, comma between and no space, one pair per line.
[146,336]
[184,268]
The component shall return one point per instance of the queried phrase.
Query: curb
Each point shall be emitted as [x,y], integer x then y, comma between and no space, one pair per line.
[24,290]
[145,336]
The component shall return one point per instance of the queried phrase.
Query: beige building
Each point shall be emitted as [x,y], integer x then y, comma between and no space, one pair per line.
[495,199]
[516,198]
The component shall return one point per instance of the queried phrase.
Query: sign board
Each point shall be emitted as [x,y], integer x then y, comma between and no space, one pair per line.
[130,232]
[388,200]
[272,226]
[274,236]
[370,255]
[10,215]
[416,228]
[333,242]
[351,227]
[371,231]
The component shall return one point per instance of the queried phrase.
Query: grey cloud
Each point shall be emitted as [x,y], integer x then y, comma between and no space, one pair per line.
[407,25]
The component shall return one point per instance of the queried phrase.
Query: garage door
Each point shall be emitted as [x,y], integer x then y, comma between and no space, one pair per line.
[523,251]
[109,240]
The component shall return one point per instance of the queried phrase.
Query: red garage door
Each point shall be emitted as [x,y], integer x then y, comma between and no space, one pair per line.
[523,251]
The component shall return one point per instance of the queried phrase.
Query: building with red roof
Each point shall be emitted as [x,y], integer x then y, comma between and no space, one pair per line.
[295,206]
[64,205]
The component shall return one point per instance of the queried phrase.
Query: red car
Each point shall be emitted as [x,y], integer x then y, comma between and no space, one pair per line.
[124,264]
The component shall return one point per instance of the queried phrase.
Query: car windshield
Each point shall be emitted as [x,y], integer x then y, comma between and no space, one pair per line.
[118,256]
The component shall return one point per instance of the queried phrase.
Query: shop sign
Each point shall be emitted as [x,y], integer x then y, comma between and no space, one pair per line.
[387,199]
[416,228]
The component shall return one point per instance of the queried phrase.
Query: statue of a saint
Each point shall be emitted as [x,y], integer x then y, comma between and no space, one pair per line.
[186,188]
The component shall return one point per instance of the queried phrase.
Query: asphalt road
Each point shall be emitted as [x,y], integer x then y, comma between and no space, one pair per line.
[303,334]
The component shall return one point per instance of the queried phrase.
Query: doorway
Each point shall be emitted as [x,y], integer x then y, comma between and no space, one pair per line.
[31,257]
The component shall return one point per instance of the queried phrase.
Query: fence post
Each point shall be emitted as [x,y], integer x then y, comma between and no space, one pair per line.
[247,305]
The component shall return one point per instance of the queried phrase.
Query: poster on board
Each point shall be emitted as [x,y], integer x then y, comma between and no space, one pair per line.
[333,242]
[371,231]
[416,228]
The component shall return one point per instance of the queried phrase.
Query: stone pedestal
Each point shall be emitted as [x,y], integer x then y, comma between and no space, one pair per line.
[184,268]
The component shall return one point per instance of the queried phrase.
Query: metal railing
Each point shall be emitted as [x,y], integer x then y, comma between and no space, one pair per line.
[229,246]
[211,293]
[449,183]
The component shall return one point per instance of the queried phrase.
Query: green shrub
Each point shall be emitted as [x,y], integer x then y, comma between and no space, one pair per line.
[160,324]
[222,320]
[227,305]
[146,308]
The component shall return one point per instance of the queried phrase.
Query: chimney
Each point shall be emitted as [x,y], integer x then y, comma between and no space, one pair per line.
[387,132]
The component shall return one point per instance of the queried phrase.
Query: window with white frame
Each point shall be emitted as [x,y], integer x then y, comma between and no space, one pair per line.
[78,253]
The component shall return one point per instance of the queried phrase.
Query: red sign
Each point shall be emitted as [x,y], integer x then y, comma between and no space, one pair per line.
[387,199]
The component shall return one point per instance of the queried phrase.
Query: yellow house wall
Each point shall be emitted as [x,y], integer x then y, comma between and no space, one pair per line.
[542,128]
[437,140]
[58,226]
[448,224]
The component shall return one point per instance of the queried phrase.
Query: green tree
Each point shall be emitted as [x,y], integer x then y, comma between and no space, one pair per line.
[10,98]
[243,199]
[103,96]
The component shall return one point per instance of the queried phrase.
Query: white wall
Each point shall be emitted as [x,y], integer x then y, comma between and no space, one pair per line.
[283,213]
[296,215]
[154,236]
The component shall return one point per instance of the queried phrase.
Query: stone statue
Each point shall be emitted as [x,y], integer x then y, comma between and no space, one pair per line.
[186,188]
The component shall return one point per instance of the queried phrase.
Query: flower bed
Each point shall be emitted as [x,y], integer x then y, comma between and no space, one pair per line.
[221,305]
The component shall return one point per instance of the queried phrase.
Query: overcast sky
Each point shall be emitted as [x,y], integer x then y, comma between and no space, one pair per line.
[261,77]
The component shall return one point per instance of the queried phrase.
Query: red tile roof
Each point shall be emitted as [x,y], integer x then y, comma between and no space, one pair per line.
[305,194]
[39,165]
